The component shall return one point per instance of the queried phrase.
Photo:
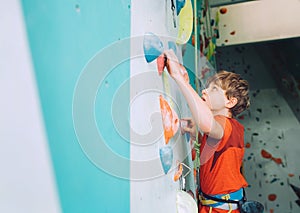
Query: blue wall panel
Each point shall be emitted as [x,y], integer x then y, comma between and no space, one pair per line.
[63,37]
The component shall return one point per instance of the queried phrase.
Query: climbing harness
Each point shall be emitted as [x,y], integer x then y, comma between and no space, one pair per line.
[243,205]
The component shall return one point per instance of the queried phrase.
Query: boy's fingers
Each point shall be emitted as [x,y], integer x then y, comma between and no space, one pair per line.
[187,129]
[184,130]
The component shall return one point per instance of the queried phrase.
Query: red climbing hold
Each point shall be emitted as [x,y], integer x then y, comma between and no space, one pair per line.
[277,160]
[241,117]
[223,10]
[160,63]
[265,154]
[272,197]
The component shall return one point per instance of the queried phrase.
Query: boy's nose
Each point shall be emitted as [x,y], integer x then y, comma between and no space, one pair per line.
[204,92]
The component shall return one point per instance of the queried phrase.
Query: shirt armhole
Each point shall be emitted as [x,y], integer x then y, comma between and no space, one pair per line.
[227,127]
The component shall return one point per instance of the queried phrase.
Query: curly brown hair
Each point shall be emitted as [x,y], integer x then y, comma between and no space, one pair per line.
[234,86]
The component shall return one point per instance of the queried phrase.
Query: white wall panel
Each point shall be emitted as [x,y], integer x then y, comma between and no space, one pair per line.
[150,189]
[258,21]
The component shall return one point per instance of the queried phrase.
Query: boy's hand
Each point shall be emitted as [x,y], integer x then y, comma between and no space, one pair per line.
[188,126]
[175,69]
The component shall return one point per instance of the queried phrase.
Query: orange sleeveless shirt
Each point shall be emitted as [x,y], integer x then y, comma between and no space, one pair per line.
[221,164]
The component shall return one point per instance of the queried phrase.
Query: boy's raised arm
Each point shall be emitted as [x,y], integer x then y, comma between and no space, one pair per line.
[201,113]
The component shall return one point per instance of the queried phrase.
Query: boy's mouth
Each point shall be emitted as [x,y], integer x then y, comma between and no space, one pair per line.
[203,98]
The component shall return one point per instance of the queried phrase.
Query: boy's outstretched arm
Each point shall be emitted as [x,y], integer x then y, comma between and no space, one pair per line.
[201,113]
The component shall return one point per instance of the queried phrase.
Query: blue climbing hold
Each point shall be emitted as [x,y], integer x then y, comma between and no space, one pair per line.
[179,5]
[172,45]
[153,47]
[166,157]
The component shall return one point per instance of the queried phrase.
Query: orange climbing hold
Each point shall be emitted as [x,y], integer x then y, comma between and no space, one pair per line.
[178,172]
[169,119]
[193,40]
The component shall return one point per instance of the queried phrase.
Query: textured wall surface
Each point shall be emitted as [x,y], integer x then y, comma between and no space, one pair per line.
[151,189]
[271,129]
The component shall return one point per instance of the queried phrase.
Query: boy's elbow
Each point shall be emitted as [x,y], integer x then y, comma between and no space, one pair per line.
[206,130]
[213,130]
[206,127]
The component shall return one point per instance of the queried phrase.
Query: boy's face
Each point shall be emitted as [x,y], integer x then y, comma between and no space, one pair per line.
[215,98]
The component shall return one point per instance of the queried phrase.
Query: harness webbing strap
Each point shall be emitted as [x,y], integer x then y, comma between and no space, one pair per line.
[224,200]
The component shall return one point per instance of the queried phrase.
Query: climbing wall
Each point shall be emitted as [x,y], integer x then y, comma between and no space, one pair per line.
[153,188]
[271,140]
[282,58]
[99,100]
[271,132]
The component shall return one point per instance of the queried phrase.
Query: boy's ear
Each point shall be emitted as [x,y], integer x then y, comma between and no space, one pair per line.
[231,102]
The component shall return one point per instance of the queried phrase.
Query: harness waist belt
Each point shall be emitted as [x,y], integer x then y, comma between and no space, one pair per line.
[236,198]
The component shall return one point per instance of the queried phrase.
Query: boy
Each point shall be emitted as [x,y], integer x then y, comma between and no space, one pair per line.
[222,146]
